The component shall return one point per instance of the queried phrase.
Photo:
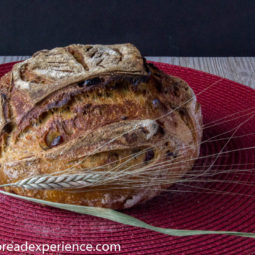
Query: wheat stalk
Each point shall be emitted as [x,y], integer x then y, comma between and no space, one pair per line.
[56,182]
[71,181]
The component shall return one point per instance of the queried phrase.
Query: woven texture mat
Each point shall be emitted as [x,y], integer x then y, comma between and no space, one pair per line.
[222,201]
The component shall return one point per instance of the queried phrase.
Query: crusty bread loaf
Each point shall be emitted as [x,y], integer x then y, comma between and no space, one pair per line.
[91,107]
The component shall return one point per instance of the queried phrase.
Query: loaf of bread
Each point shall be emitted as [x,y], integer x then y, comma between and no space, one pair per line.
[100,110]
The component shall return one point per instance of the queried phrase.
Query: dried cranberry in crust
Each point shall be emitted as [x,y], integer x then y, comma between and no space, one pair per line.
[53,138]
[90,82]
[56,141]
[155,102]
[149,155]
[170,154]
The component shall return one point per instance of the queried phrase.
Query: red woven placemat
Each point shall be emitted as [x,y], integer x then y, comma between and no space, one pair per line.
[220,202]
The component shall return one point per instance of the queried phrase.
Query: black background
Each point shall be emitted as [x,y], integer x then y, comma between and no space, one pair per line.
[156,27]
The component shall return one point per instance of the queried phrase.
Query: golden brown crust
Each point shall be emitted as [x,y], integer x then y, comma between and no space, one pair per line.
[68,103]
